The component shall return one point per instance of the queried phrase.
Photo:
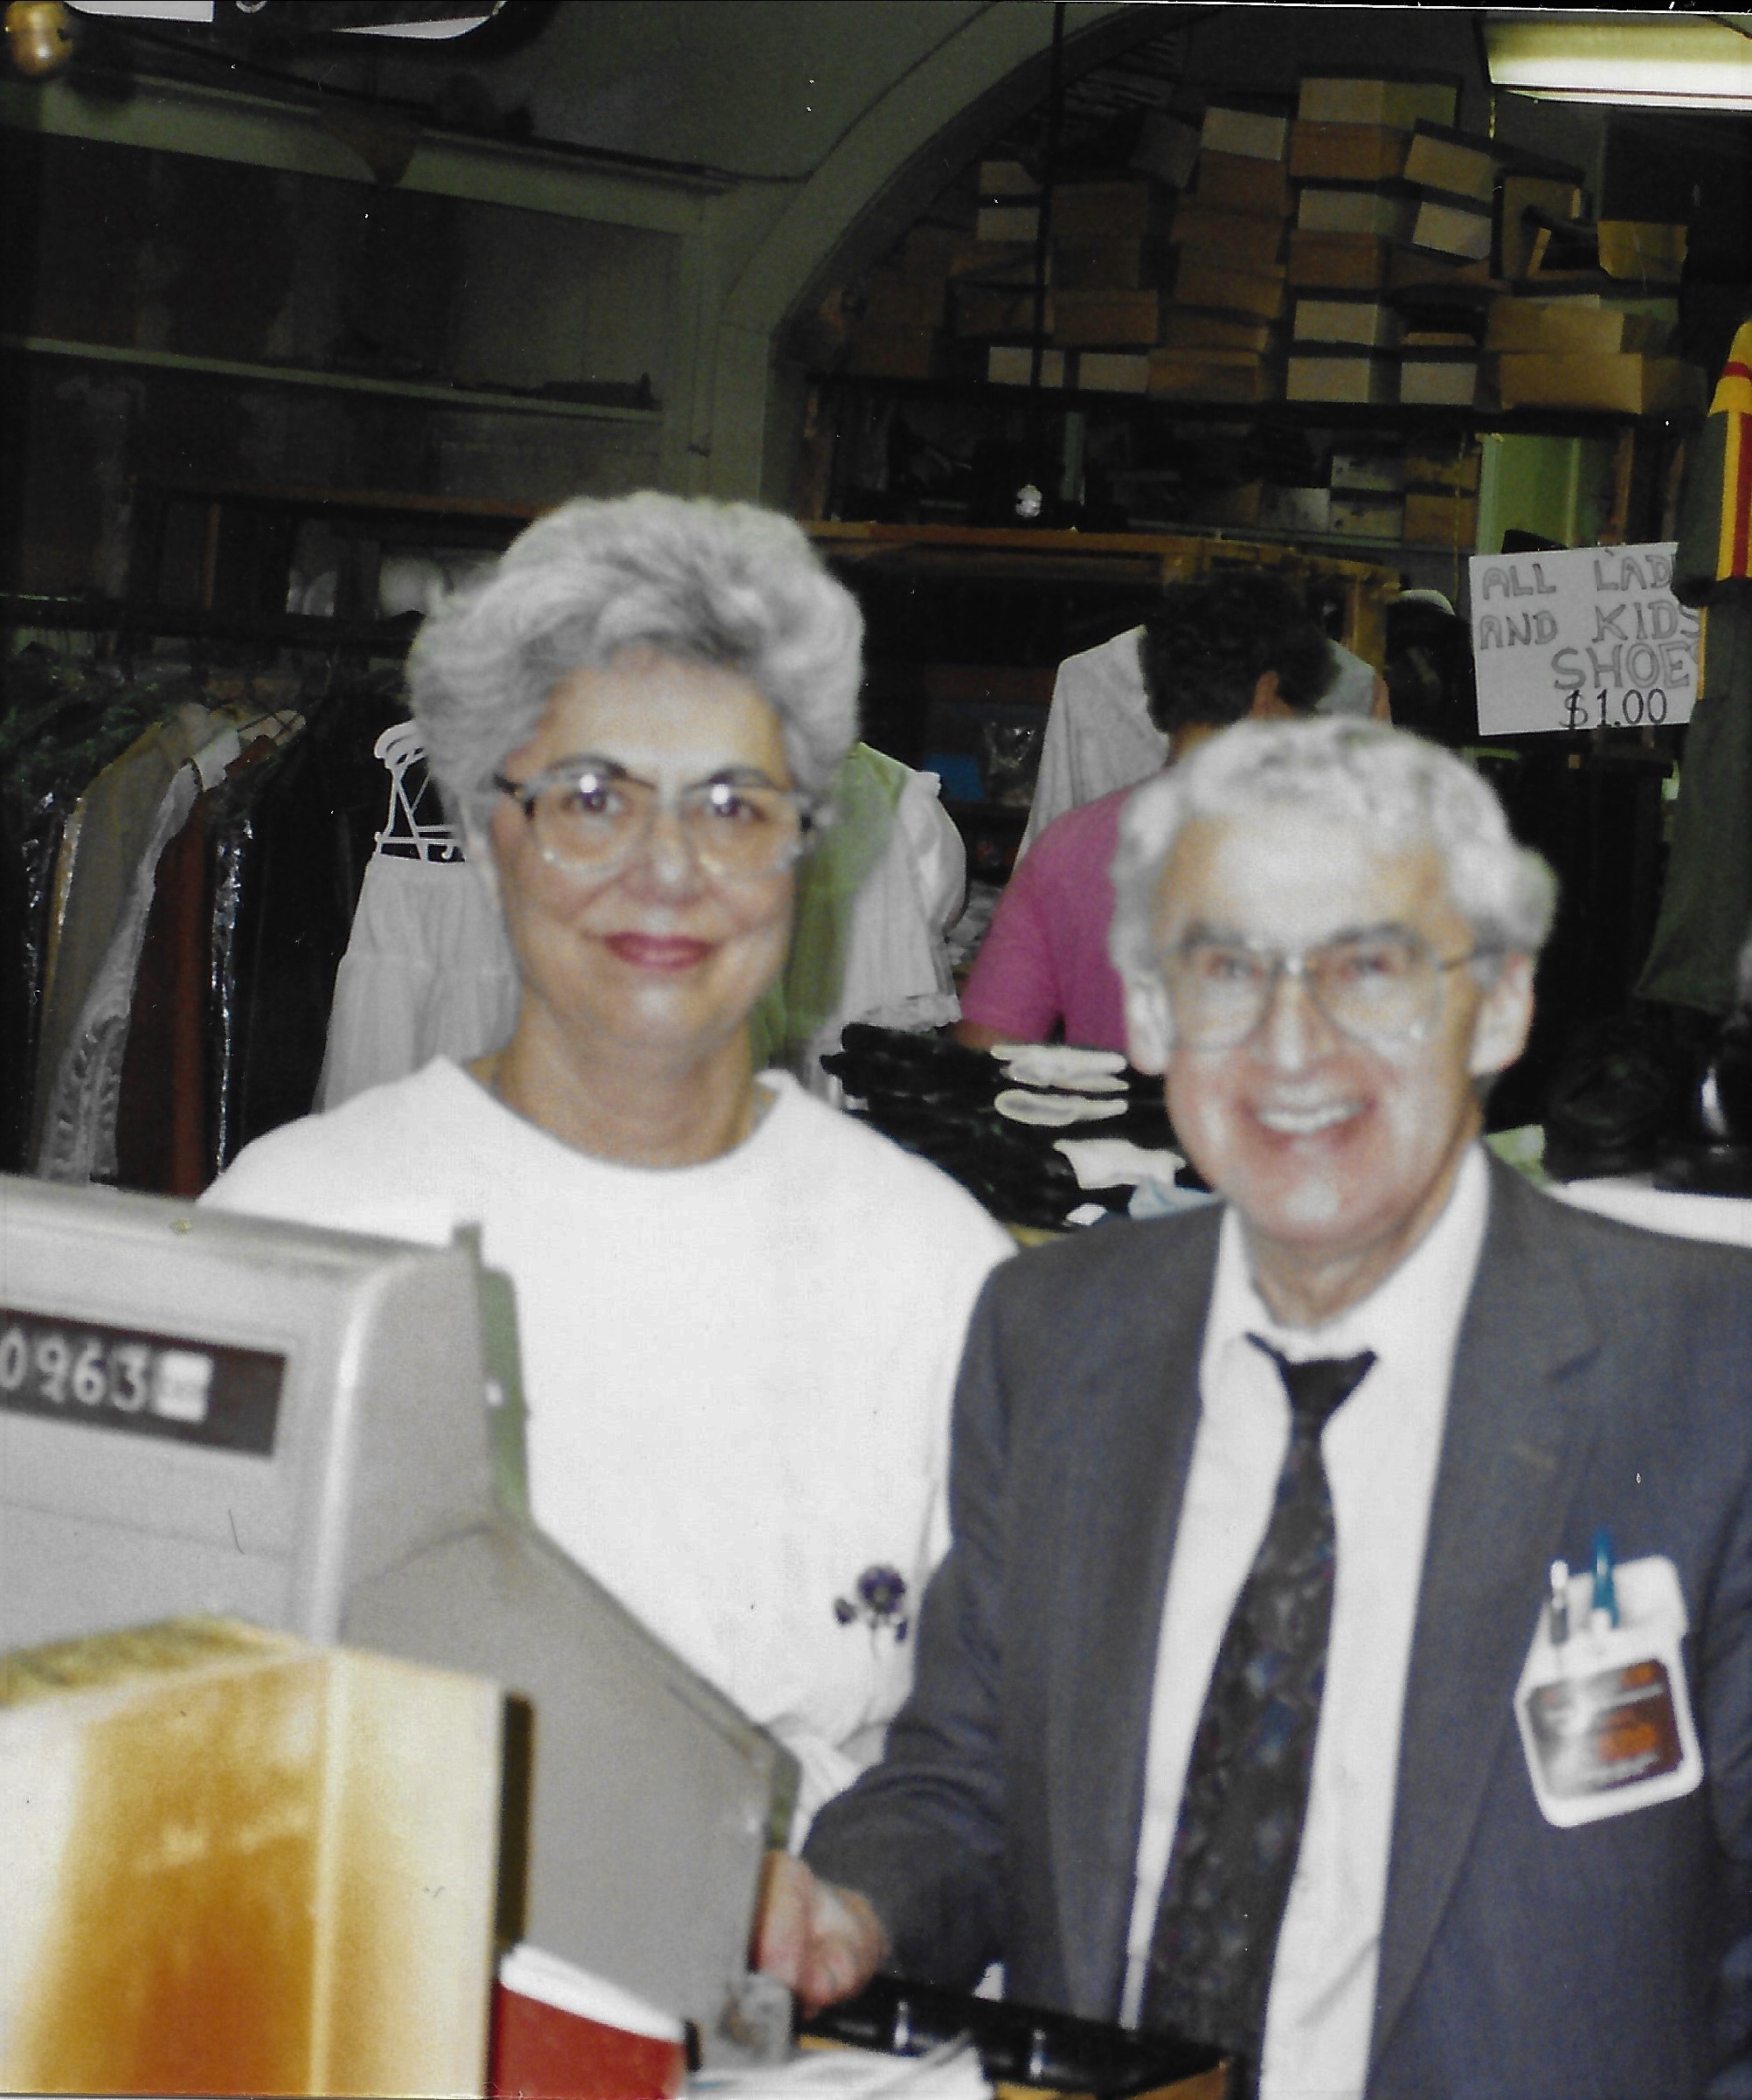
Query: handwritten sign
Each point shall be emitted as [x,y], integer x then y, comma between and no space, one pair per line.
[1592,638]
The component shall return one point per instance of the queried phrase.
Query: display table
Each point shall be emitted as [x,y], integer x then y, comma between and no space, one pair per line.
[1634,1199]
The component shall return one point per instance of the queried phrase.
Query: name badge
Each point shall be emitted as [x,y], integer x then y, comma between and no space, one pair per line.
[1603,1710]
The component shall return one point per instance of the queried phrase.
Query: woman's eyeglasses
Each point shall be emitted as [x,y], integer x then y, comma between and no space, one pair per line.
[588,816]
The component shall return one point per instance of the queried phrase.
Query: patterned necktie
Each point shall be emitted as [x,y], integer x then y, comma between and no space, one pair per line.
[1240,1827]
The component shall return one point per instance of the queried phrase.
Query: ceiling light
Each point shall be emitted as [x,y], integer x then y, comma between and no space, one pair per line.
[1663,61]
[425,18]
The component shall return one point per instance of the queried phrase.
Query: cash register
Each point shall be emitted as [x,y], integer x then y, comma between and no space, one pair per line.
[202,1413]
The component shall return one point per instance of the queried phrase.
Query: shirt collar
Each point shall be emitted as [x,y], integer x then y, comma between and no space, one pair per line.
[1417,1306]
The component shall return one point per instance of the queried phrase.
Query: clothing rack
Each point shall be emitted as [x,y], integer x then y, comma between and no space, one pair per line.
[243,917]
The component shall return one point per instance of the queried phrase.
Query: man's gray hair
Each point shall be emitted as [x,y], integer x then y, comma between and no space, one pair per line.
[725,584]
[1404,791]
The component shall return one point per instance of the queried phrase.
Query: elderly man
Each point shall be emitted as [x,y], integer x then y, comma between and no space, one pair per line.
[1251,1699]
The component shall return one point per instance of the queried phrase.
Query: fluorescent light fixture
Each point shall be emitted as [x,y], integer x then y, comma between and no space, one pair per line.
[148,10]
[455,22]
[1657,61]
[436,29]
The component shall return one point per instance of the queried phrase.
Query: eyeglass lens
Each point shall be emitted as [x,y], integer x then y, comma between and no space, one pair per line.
[1377,987]
[593,820]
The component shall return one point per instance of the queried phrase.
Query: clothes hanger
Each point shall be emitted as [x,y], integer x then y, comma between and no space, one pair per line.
[411,830]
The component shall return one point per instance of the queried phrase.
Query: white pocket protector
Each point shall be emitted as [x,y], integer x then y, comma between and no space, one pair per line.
[1605,1715]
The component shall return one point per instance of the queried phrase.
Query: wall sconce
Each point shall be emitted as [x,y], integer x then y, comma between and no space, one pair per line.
[1652,61]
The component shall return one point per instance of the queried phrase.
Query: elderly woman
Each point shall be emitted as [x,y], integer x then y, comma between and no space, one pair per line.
[740,1311]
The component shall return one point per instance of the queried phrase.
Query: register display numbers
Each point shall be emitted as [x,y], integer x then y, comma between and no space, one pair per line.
[143,1385]
[1584,638]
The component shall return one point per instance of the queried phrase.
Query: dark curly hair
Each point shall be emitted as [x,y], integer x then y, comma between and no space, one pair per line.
[1209,643]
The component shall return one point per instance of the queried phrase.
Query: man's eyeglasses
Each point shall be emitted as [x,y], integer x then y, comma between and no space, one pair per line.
[1380,987]
[590,815]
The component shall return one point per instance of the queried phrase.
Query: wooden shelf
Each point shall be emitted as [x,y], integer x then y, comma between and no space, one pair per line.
[479,400]
[394,504]
[1412,416]
[1365,549]
[1072,553]
[1338,553]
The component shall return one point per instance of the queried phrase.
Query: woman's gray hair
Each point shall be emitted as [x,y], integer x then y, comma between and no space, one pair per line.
[1406,792]
[720,584]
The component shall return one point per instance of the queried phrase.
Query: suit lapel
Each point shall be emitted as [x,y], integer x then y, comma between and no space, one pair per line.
[1136,1418]
[1512,1444]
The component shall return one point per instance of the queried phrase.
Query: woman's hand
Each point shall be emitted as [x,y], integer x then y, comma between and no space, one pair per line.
[822,1940]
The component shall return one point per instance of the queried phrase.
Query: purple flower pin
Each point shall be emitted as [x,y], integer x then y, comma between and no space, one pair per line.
[881,1592]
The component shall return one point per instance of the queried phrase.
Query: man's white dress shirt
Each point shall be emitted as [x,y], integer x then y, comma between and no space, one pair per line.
[1381,1450]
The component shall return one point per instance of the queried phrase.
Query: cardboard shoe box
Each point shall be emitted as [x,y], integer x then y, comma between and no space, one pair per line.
[1258,294]
[1368,514]
[1211,376]
[1261,134]
[1238,181]
[1362,473]
[1106,319]
[1437,518]
[1125,265]
[999,310]
[1166,149]
[1239,238]
[1454,466]
[1114,371]
[1340,262]
[1330,373]
[1645,251]
[1238,506]
[1440,378]
[1012,364]
[1348,317]
[1355,153]
[1400,100]
[1295,509]
[1190,328]
[1632,384]
[1568,328]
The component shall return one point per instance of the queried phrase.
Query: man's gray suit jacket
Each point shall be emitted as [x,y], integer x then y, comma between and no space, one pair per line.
[1603,1377]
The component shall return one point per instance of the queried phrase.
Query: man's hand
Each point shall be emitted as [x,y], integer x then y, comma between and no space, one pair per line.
[824,1941]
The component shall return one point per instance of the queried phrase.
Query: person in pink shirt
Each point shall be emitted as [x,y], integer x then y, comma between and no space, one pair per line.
[1215,651]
